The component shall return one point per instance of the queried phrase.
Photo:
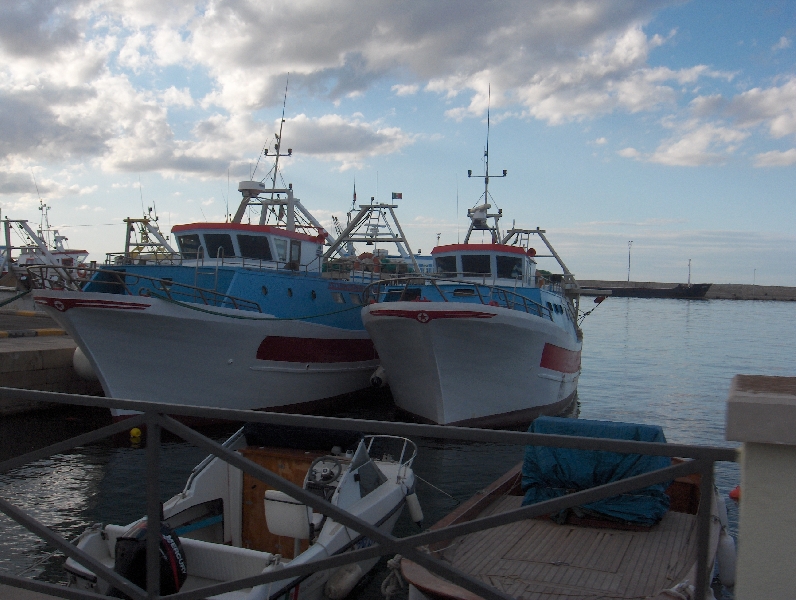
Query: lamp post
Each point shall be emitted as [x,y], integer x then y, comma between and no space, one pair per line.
[629,245]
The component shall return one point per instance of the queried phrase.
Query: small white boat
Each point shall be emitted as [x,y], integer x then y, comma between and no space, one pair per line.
[586,552]
[231,526]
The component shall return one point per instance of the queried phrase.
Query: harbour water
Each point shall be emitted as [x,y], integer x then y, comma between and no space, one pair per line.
[667,362]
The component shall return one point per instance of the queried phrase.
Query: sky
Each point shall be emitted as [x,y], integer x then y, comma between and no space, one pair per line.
[666,123]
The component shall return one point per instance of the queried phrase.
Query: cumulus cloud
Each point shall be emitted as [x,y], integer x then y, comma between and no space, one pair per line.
[776,158]
[78,77]
[405,90]
[700,144]
[782,44]
[775,107]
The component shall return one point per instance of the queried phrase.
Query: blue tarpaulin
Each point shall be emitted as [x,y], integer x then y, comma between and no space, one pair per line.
[552,472]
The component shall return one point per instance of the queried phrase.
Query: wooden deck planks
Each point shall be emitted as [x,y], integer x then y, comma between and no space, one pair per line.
[540,560]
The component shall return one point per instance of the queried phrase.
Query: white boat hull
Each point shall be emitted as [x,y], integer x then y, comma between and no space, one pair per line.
[466,364]
[147,349]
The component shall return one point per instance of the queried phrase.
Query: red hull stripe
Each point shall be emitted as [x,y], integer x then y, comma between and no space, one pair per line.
[560,359]
[424,316]
[198,227]
[316,350]
[64,304]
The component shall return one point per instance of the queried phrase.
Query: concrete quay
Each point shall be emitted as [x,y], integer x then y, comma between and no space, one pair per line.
[35,354]
[717,291]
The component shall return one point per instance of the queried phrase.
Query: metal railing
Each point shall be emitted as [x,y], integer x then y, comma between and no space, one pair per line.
[155,416]
[135,284]
[493,295]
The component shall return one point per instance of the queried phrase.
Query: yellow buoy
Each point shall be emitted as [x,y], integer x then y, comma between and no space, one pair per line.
[135,434]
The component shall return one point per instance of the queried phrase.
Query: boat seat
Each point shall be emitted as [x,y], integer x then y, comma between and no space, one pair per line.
[217,562]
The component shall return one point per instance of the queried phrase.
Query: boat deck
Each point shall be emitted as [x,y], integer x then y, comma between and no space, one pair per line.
[540,560]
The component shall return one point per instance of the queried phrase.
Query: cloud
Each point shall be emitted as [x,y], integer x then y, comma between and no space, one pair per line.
[774,107]
[699,144]
[600,141]
[782,44]
[776,158]
[37,28]
[405,90]
[629,153]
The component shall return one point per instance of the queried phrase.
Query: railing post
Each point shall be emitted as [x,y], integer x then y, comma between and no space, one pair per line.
[703,531]
[760,413]
[153,506]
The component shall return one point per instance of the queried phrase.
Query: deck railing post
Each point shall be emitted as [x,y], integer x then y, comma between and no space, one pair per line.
[703,531]
[153,506]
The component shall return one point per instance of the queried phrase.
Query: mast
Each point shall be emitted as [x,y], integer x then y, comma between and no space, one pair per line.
[479,214]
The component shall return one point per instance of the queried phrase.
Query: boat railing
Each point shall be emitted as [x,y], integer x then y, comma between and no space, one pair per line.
[389,445]
[492,295]
[157,417]
[130,284]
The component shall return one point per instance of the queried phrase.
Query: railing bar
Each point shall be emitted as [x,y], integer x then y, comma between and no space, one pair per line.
[62,544]
[703,530]
[153,505]
[80,440]
[390,428]
[50,589]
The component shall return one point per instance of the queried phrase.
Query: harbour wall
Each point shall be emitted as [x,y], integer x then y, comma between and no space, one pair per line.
[717,291]
[36,355]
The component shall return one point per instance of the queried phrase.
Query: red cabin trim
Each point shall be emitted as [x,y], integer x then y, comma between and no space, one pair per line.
[294,235]
[478,248]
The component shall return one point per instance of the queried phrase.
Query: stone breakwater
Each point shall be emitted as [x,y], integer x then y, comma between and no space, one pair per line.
[717,291]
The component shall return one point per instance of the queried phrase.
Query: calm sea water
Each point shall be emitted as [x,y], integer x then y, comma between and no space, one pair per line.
[666,362]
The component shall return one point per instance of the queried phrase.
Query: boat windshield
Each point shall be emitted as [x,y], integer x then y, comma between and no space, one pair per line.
[219,245]
[445,264]
[509,267]
[478,264]
[189,245]
[254,246]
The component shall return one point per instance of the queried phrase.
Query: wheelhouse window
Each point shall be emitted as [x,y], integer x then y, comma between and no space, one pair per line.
[445,264]
[219,245]
[189,245]
[254,246]
[355,298]
[281,249]
[295,253]
[338,297]
[509,267]
[477,264]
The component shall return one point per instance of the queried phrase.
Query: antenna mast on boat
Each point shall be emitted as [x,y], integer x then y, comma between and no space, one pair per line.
[479,215]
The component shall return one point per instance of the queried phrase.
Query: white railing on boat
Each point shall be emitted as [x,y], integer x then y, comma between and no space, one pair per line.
[492,295]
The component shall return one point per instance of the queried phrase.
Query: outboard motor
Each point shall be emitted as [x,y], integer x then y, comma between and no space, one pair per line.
[131,559]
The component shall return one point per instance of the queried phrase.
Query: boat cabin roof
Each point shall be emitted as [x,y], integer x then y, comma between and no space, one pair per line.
[242,228]
[459,248]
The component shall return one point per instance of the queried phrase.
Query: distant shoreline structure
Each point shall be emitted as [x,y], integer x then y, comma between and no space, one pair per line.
[700,291]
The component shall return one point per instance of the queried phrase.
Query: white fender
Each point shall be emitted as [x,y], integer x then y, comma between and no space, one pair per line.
[414,508]
[342,581]
[721,505]
[725,555]
[83,366]
[379,377]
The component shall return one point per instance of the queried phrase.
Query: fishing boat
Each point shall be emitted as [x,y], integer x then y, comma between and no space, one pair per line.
[486,340]
[44,246]
[640,545]
[230,525]
[241,314]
